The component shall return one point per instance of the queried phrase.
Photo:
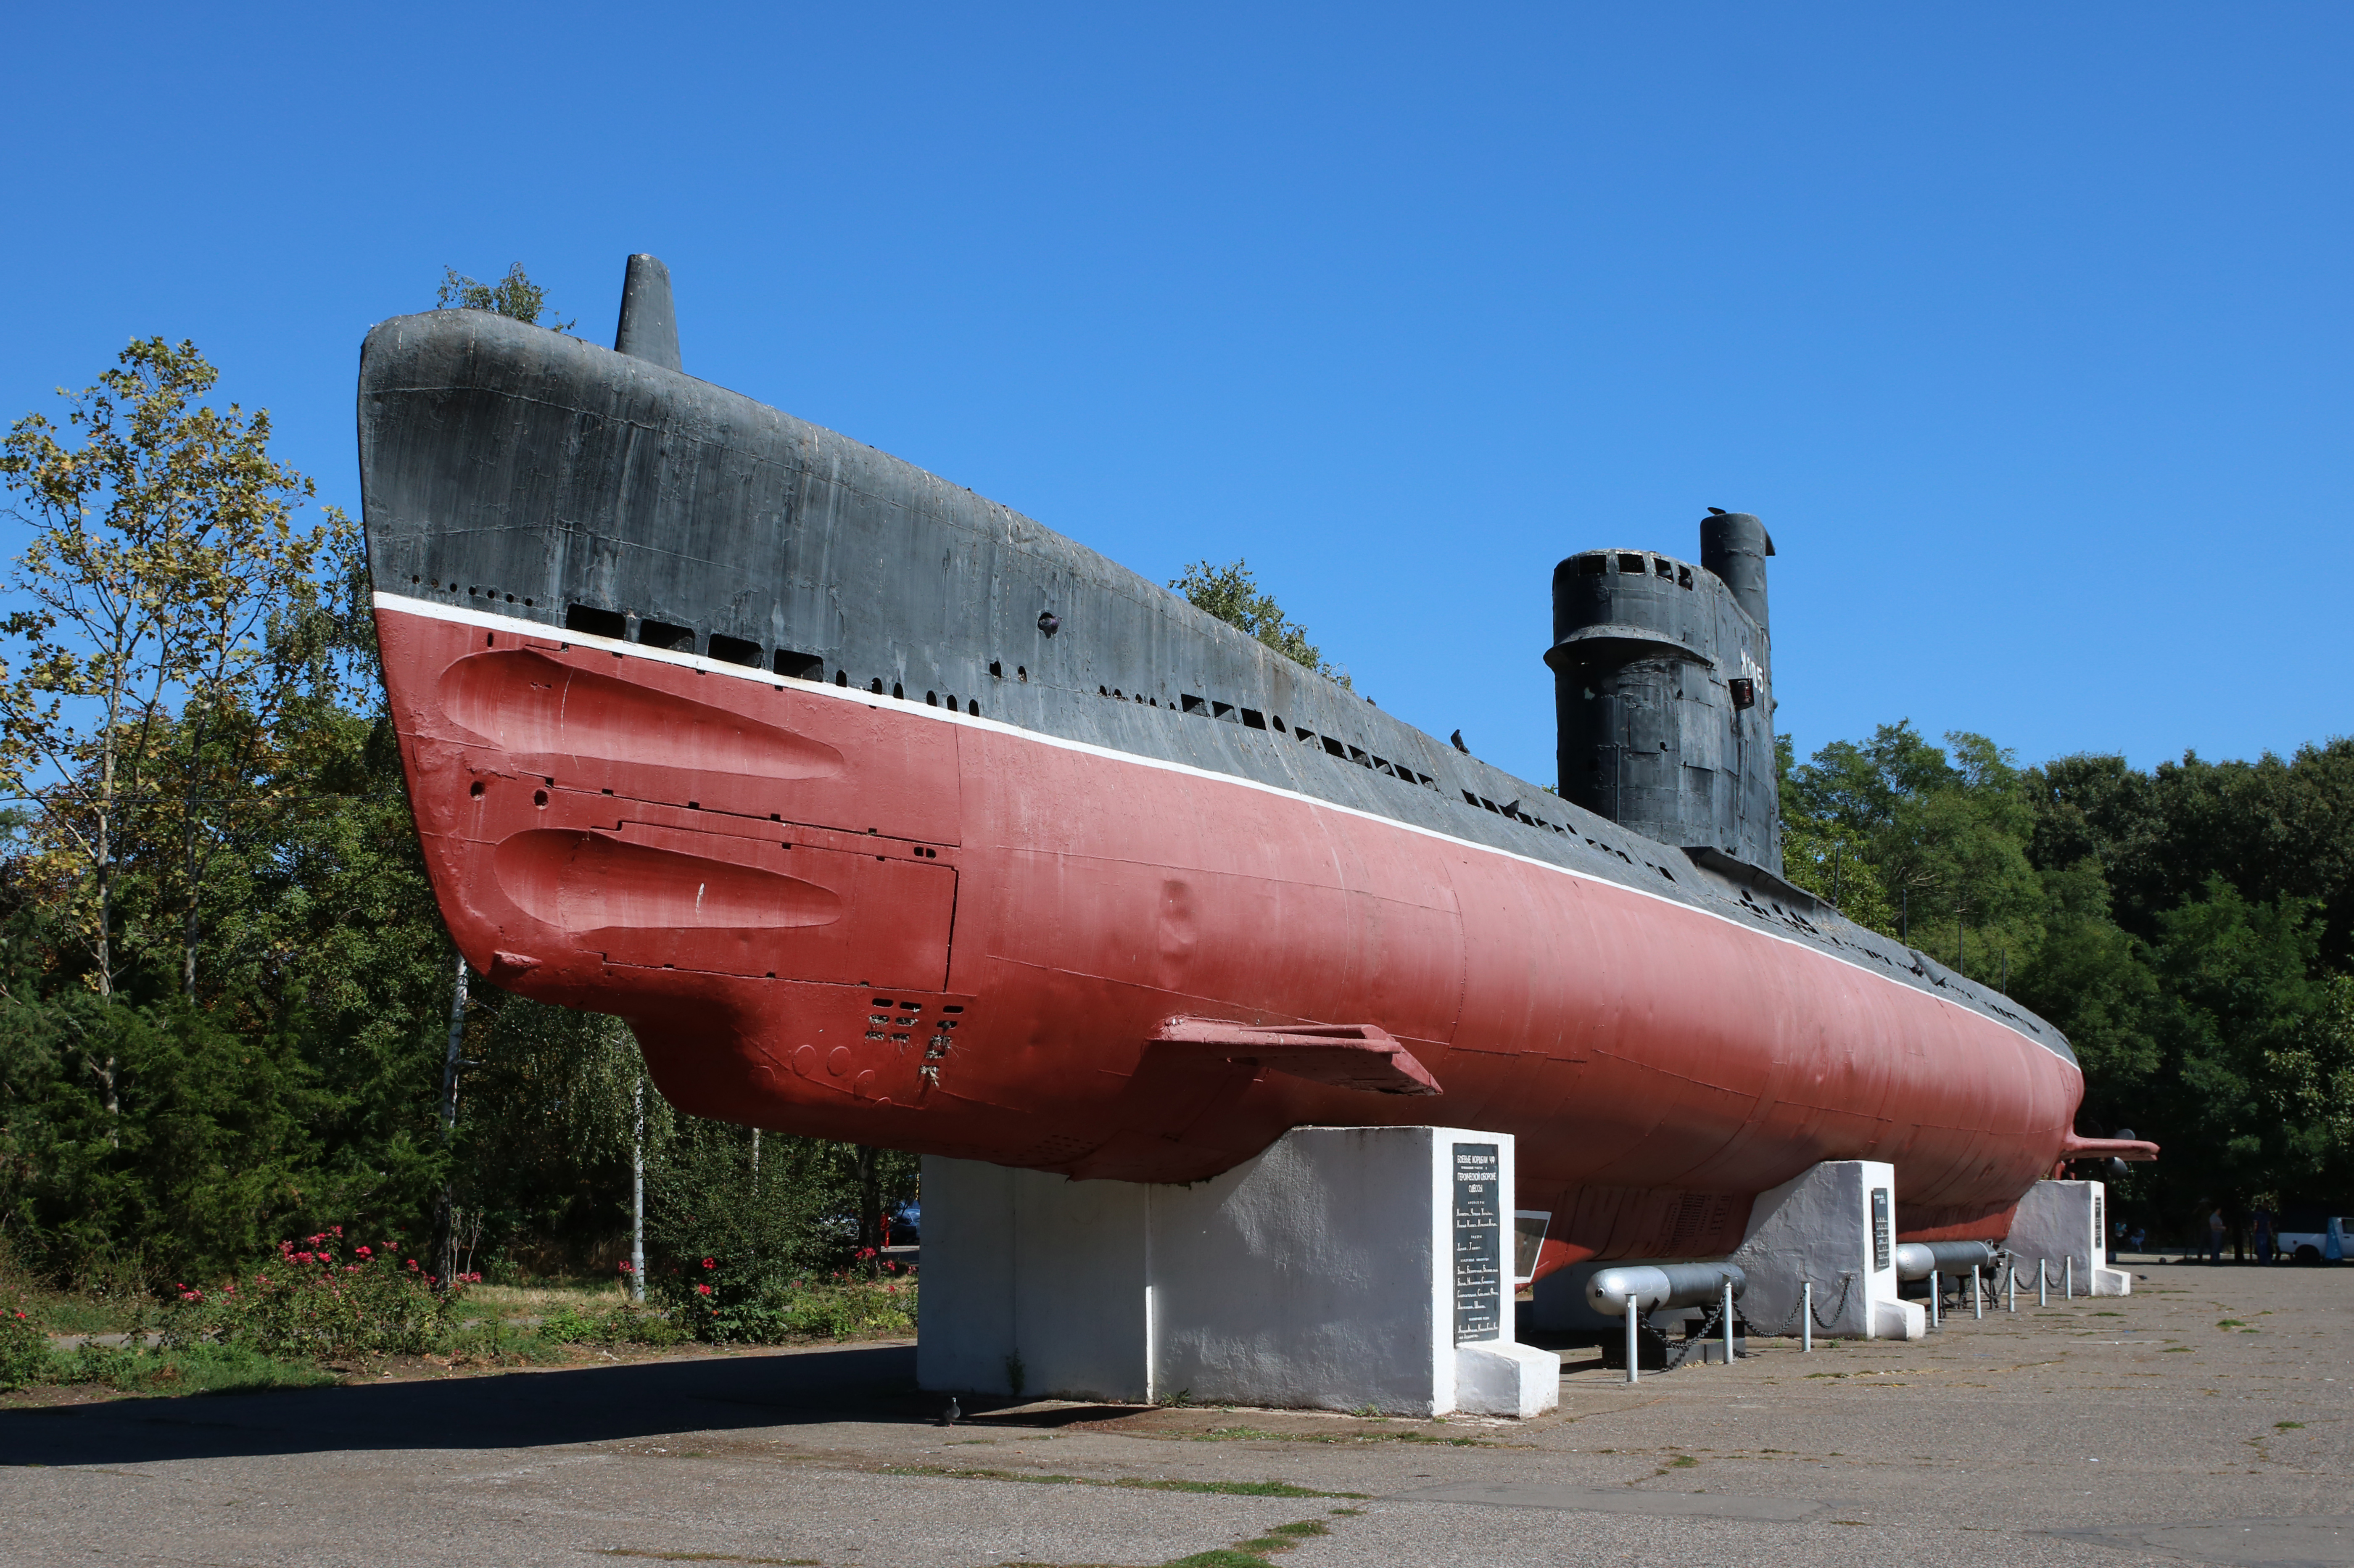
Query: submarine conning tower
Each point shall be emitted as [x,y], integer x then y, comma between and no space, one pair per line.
[1663,682]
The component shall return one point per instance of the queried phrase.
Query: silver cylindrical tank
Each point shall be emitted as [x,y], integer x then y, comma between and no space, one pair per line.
[1650,1285]
[1918,1260]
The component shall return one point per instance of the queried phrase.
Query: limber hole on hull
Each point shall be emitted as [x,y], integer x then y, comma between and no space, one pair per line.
[596,622]
[734,651]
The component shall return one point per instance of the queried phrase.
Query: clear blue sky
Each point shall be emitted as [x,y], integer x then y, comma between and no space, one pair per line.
[2025,328]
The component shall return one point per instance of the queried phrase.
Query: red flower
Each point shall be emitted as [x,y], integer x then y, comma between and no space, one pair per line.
[366,1252]
[338,1230]
[412,1263]
[627,1267]
[708,1264]
[891,1266]
[703,1289]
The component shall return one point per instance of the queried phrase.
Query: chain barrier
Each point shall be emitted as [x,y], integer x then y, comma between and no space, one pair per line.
[1713,1328]
[1790,1319]
[1681,1354]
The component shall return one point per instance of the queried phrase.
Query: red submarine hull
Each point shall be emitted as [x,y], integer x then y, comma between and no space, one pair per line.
[828,911]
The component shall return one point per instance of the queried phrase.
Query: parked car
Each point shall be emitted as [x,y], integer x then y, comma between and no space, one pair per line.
[2312,1236]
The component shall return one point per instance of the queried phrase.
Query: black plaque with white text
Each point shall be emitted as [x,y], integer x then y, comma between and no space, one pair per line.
[1479,1244]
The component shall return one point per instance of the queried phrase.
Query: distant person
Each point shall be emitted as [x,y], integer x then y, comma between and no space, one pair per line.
[2261,1228]
[2215,1237]
[2140,1235]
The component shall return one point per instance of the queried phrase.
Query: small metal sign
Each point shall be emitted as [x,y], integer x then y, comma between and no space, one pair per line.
[1479,1243]
[1883,1230]
[1528,1242]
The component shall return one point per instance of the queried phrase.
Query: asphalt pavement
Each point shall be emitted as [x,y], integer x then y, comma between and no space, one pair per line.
[2205,1419]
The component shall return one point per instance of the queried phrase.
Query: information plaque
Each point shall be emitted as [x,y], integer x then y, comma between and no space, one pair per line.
[1883,1231]
[1479,1244]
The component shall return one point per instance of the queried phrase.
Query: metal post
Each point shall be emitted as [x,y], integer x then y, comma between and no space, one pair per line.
[1634,1351]
[1807,1317]
[1728,1322]
[2011,1270]
[2068,1274]
[2043,1282]
[1977,1297]
[637,1190]
[1937,1290]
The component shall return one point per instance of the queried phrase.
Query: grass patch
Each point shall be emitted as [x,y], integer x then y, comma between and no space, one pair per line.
[1253,1552]
[2288,1426]
[1261,1435]
[538,1300]
[191,1369]
[1223,1488]
[714,1557]
[501,1345]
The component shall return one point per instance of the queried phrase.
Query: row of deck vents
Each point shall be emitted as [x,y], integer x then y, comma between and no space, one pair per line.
[490,594]
[1251,719]
[810,667]
[1635,563]
[786,662]
[800,666]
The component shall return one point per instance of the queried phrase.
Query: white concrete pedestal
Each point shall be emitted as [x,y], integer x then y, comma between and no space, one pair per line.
[1344,1268]
[2061,1222]
[1836,1219]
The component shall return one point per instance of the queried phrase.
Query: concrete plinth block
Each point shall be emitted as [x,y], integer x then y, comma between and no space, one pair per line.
[1834,1226]
[1900,1320]
[1341,1269]
[1502,1378]
[2061,1223]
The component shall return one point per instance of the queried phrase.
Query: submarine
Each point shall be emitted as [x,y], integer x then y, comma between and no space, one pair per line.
[882,812]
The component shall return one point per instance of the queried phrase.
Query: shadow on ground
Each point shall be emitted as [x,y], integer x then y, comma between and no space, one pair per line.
[586,1404]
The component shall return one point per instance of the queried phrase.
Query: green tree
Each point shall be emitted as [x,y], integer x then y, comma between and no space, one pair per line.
[2096,983]
[1232,594]
[1935,839]
[515,295]
[2245,1026]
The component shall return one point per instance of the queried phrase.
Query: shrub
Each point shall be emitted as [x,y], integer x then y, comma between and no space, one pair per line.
[629,1326]
[23,1346]
[320,1299]
[709,1301]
